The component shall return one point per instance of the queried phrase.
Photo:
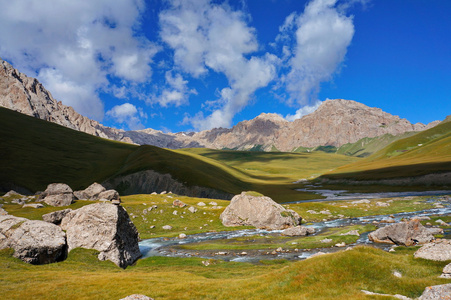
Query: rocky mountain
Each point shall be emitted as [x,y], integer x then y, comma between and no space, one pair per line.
[334,123]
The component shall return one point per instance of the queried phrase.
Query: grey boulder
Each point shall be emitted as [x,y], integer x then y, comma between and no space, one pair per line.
[298,231]
[405,233]
[258,211]
[439,250]
[33,241]
[56,216]
[91,192]
[110,195]
[58,194]
[437,292]
[104,227]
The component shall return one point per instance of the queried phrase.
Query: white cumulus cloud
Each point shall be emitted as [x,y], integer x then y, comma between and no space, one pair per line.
[127,114]
[82,42]
[209,37]
[322,34]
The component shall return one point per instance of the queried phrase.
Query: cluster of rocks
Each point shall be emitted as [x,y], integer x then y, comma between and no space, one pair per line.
[259,211]
[60,194]
[102,226]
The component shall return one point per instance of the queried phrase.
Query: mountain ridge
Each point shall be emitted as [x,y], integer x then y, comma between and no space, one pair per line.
[334,123]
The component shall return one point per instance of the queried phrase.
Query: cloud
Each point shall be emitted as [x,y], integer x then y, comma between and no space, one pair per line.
[322,34]
[303,111]
[176,91]
[127,114]
[209,37]
[85,43]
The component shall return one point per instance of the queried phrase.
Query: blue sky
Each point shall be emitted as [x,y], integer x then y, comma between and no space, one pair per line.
[196,64]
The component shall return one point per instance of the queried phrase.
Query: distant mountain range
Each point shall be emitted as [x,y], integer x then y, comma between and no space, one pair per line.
[334,123]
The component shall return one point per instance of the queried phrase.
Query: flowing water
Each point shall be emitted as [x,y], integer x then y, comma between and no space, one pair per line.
[168,246]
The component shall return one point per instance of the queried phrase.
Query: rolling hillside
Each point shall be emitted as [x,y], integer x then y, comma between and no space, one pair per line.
[424,153]
[34,153]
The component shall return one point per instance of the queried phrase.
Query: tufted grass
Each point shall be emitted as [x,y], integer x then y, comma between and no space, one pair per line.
[341,275]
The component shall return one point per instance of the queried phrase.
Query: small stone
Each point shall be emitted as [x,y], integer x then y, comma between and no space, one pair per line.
[174,212]
[167,227]
[342,244]
[325,241]
[212,203]
[33,205]
[201,204]
[397,274]
[182,236]
[192,209]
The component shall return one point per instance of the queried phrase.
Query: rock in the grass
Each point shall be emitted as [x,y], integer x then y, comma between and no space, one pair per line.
[404,233]
[446,273]
[382,204]
[212,203]
[192,209]
[137,297]
[13,193]
[201,204]
[56,216]
[110,195]
[106,228]
[33,205]
[33,241]
[298,231]
[91,192]
[258,211]
[167,227]
[352,232]
[178,203]
[58,194]
[182,236]
[439,250]
[437,292]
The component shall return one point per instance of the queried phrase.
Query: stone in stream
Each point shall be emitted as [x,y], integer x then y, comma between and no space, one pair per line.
[258,211]
[298,231]
[405,233]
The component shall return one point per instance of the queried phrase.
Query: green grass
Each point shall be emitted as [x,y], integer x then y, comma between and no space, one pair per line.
[424,153]
[34,153]
[340,275]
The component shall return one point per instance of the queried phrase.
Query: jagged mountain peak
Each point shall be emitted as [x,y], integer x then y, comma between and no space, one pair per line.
[335,122]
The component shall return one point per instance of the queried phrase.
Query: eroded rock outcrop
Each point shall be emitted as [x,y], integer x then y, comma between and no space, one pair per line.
[258,211]
[104,227]
[405,233]
[56,217]
[33,241]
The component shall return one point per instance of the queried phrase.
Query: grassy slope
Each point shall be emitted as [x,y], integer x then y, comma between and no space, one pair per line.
[34,153]
[273,173]
[423,153]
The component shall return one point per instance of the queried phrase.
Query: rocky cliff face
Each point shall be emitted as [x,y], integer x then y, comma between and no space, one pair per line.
[27,95]
[334,123]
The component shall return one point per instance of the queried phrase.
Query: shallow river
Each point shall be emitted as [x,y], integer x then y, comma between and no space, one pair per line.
[165,246]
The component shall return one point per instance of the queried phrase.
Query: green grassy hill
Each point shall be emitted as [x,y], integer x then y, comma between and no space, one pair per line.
[424,153]
[34,153]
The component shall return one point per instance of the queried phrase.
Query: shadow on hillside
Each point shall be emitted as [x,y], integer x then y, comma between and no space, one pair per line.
[438,170]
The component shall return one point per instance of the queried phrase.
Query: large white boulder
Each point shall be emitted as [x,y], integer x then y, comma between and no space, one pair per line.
[258,211]
[33,241]
[104,227]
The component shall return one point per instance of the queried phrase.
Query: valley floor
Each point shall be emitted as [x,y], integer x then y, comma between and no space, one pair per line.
[339,275]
